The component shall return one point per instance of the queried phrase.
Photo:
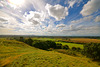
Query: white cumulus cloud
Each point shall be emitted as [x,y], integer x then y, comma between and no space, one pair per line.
[91,7]
[35,17]
[57,11]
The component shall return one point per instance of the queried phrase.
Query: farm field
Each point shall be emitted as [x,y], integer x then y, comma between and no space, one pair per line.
[18,54]
[83,40]
[45,39]
[72,44]
[75,40]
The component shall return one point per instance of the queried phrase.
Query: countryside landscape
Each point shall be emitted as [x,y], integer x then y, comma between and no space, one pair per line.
[49,52]
[49,33]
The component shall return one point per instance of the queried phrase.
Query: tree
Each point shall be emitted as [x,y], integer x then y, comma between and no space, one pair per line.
[92,50]
[74,48]
[66,47]
[58,46]
[78,49]
[29,41]
[41,45]
[21,39]
[51,44]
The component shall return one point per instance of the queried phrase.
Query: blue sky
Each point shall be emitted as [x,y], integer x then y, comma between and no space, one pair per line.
[50,17]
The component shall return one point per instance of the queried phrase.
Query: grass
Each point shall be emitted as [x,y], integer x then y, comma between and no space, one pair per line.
[72,44]
[18,54]
[50,59]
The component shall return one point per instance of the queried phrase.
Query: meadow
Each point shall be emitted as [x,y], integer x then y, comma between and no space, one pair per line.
[18,54]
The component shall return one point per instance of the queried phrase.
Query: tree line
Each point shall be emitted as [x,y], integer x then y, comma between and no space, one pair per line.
[91,50]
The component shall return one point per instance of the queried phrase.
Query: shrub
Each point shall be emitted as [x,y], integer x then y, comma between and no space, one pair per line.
[50,49]
[29,41]
[46,45]
[51,44]
[78,49]
[41,45]
[74,48]
[92,50]
[58,46]
[66,47]
[21,39]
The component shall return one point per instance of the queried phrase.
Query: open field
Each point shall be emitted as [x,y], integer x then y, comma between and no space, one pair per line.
[82,40]
[75,40]
[18,54]
[51,39]
[72,44]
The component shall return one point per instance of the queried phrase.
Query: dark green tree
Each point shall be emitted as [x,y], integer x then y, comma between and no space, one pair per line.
[66,47]
[21,39]
[51,44]
[74,48]
[58,46]
[41,45]
[29,41]
[92,50]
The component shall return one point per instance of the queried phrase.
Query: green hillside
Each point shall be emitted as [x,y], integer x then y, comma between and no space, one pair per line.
[18,54]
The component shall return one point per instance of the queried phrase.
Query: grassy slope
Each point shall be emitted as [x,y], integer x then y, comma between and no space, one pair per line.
[18,54]
[71,44]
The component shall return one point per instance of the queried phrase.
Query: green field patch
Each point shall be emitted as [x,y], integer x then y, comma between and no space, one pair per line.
[71,44]
[51,39]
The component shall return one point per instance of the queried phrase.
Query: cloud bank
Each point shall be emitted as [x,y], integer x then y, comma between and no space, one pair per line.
[50,17]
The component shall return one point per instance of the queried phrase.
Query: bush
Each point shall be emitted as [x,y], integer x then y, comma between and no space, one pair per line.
[58,46]
[50,49]
[66,47]
[51,44]
[74,48]
[92,50]
[41,45]
[29,41]
[78,49]
[21,39]
[44,44]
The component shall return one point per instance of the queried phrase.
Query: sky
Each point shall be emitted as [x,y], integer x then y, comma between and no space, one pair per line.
[50,17]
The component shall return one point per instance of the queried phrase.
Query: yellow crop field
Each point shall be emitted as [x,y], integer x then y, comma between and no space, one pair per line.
[83,40]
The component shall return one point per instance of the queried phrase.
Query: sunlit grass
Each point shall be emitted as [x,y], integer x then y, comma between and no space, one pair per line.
[72,44]
[18,54]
